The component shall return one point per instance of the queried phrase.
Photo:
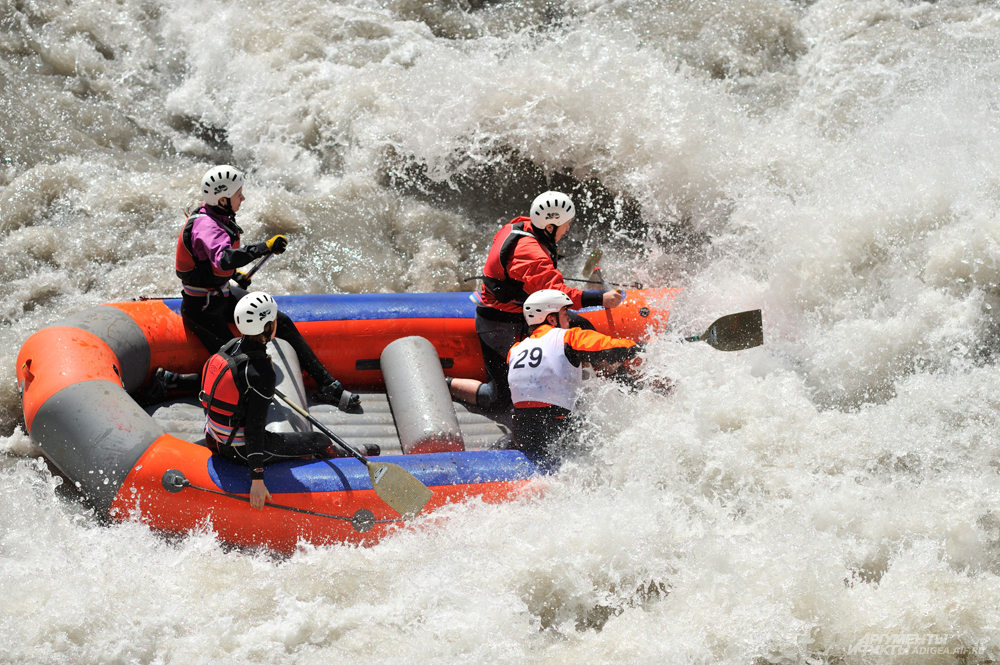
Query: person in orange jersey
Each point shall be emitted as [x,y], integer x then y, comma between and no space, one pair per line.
[545,371]
[237,386]
[522,260]
[209,252]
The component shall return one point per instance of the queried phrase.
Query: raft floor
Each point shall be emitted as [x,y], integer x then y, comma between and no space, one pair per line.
[185,419]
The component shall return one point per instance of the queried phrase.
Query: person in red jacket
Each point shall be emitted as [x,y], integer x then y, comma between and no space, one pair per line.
[522,260]
[545,372]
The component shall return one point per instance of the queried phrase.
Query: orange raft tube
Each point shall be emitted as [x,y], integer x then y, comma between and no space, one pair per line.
[77,380]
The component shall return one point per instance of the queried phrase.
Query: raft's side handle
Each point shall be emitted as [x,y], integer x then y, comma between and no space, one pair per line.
[28,377]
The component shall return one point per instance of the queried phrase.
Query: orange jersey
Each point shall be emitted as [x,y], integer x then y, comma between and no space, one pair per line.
[591,346]
[546,368]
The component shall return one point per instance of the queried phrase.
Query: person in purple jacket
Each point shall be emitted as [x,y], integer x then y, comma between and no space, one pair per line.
[209,252]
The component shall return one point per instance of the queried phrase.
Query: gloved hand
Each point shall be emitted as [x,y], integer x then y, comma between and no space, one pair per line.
[612,298]
[241,279]
[277,244]
[334,393]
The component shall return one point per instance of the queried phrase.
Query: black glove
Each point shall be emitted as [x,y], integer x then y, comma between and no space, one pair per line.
[241,279]
[277,244]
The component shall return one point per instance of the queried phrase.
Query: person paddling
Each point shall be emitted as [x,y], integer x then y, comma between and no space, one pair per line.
[208,254]
[522,260]
[237,386]
[545,372]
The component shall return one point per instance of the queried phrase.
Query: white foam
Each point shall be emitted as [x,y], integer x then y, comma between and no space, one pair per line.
[832,163]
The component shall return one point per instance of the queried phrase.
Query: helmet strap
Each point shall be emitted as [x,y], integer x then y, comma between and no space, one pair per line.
[549,235]
[227,207]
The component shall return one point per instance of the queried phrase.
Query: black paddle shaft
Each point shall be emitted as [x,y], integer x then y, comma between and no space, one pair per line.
[633,285]
[322,428]
[257,267]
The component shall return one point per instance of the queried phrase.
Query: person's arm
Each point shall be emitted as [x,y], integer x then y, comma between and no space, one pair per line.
[532,265]
[590,346]
[237,258]
[212,243]
[231,259]
[258,494]
[260,380]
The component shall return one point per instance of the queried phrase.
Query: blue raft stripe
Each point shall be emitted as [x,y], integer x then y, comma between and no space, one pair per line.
[369,306]
[338,475]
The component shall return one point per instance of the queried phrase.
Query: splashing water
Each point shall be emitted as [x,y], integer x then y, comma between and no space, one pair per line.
[833,163]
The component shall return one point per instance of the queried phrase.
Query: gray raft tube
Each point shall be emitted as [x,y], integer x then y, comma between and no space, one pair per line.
[77,378]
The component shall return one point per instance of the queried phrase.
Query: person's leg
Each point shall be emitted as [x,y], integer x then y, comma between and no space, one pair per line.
[202,318]
[464,390]
[495,340]
[209,321]
[307,357]
[538,433]
[328,389]
[279,447]
[494,394]
[284,446]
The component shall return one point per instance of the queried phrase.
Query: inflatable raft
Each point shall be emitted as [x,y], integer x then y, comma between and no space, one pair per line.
[78,379]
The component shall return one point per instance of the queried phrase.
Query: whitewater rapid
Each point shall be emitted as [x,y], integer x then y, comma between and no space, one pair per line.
[830,497]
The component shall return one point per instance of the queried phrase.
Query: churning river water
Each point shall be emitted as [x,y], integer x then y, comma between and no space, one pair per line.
[833,496]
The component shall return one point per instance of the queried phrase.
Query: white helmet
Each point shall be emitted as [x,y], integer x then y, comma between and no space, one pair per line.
[253,311]
[221,181]
[551,208]
[540,304]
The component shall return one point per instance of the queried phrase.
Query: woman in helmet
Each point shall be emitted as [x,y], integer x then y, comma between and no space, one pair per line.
[521,261]
[237,386]
[545,371]
[208,254]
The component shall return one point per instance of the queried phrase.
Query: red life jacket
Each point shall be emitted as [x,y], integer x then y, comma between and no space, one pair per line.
[223,401]
[200,272]
[495,276]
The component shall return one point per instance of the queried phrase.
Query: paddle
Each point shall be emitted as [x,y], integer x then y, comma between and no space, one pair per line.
[243,278]
[734,332]
[393,484]
[592,261]
[633,285]
[258,266]
[590,268]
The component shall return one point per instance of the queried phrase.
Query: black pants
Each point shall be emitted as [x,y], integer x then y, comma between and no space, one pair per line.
[210,323]
[278,447]
[497,333]
[539,433]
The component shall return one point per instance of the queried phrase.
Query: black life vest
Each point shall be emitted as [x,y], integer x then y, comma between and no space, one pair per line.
[495,276]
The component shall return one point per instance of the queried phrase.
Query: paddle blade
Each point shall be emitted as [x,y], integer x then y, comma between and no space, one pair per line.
[399,488]
[592,261]
[597,279]
[736,332]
